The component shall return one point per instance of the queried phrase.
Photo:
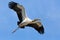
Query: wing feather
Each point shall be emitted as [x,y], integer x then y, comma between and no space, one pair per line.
[37,26]
[19,9]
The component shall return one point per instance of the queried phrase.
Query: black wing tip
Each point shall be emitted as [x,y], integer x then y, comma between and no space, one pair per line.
[12,4]
[41,31]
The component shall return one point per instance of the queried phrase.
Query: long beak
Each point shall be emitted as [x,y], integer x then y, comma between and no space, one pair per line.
[15,30]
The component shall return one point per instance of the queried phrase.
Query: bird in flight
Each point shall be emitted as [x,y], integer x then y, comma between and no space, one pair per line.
[24,20]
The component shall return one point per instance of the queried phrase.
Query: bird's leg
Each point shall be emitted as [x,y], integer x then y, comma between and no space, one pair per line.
[15,30]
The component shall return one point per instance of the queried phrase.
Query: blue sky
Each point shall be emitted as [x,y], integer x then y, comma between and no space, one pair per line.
[47,10]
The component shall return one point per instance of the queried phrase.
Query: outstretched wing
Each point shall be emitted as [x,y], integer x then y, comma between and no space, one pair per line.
[19,10]
[38,26]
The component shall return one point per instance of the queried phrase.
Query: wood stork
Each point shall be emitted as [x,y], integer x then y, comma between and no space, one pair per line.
[24,20]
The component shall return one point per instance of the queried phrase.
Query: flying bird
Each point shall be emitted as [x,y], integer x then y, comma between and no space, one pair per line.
[23,18]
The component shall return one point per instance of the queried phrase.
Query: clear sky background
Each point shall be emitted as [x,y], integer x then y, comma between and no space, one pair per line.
[47,10]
